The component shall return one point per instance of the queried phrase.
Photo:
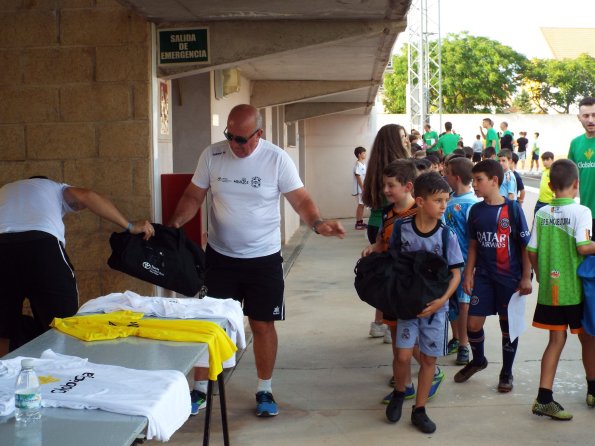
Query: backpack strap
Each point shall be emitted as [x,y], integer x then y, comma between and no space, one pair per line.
[445,236]
[514,216]
[396,235]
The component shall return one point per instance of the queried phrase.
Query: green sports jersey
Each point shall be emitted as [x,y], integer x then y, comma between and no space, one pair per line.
[558,229]
[448,143]
[582,152]
[535,148]
[430,138]
[492,139]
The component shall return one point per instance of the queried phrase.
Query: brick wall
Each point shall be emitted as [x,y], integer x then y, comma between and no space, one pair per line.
[75,106]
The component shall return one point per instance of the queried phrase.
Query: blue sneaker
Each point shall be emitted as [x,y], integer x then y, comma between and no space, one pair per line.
[198,400]
[409,394]
[438,378]
[266,405]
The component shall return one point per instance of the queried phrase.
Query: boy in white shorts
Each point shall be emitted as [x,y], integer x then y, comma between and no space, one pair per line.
[359,173]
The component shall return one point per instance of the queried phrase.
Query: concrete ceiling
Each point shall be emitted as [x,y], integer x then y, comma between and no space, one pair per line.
[306,40]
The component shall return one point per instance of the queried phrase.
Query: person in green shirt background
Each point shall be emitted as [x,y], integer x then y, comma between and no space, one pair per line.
[491,136]
[582,149]
[447,143]
[546,195]
[535,153]
[430,138]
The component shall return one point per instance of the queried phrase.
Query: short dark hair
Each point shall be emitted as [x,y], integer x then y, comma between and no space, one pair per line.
[448,125]
[505,153]
[403,170]
[515,158]
[459,152]
[433,159]
[468,152]
[358,150]
[39,177]
[422,164]
[429,183]
[489,152]
[587,100]
[562,174]
[547,156]
[491,168]
[489,120]
[536,133]
[461,167]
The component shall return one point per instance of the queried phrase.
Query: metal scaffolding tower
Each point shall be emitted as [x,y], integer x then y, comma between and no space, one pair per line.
[424,87]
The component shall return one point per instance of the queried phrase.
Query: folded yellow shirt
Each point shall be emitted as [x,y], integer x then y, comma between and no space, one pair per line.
[121,324]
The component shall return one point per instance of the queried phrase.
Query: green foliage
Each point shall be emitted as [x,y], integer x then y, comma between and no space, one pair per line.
[521,103]
[557,84]
[395,85]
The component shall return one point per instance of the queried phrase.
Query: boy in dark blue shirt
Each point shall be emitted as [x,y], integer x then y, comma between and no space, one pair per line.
[497,266]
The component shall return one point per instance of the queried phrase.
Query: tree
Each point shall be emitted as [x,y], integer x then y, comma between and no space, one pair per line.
[521,103]
[478,75]
[558,84]
[395,85]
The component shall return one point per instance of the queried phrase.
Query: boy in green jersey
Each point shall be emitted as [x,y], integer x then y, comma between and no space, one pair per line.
[582,149]
[559,240]
[535,153]
[490,136]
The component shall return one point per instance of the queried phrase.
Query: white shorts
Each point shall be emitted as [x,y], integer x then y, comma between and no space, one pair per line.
[430,332]
[358,198]
[522,155]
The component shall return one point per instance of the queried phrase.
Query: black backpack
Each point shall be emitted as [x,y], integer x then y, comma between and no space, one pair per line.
[168,259]
[401,284]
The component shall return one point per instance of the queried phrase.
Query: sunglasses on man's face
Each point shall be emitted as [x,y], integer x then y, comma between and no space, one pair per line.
[238,139]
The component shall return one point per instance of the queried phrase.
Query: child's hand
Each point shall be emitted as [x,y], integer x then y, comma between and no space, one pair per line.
[431,308]
[525,287]
[468,284]
[368,250]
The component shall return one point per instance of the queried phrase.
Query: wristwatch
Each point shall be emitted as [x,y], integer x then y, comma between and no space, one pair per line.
[315,226]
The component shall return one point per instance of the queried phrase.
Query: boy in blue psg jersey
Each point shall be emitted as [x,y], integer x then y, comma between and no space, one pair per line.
[497,266]
[459,177]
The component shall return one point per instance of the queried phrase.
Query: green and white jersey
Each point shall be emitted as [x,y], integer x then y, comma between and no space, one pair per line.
[582,152]
[558,229]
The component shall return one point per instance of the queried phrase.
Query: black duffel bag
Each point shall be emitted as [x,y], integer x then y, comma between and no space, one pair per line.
[168,259]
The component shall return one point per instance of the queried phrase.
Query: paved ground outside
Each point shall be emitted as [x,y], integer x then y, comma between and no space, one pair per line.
[330,376]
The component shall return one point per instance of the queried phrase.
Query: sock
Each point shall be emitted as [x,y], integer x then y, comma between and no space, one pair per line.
[508,348]
[591,387]
[476,342]
[264,385]
[421,409]
[201,386]
[545,396]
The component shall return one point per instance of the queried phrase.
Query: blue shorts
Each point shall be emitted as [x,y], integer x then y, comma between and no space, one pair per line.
[430,332]
[490,297]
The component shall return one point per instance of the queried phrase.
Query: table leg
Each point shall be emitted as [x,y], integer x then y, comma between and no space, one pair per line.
[223,404]
[207,431]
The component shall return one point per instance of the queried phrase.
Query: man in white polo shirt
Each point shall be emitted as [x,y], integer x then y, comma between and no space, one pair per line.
[33,261]
[247,176]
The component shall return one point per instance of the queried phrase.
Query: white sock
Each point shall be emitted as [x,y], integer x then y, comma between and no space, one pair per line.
[201,386]
[264,385]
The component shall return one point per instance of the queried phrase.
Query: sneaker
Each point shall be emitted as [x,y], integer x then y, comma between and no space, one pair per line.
[395,407]
[377,330]
[388,339]
[438,378]
[462,356]
[590,400]
[198,401]
[409,394]
[552,409]
[421,421]
[505,383]
[266,405]
[469,370]
[361,226]
[452,347]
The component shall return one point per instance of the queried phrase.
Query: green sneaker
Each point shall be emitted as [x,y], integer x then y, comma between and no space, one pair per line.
[553,410]
[590,400]
[452,347]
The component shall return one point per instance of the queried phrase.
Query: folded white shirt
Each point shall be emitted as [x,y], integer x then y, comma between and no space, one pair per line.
[72,382]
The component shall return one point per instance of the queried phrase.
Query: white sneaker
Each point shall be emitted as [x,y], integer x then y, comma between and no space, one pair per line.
[388,339]
[377,330]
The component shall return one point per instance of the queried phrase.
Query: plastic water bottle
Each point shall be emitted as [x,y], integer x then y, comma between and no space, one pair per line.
[27,398]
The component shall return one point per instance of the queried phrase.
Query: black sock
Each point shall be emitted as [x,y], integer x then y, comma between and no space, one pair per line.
[545,396]
[508,348]
[591,386]
[476,341]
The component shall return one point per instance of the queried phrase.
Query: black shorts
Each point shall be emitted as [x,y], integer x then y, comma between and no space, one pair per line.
[476,157]
[559,318]
[534,156]
[372,233]
[256,283]
[34,265]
